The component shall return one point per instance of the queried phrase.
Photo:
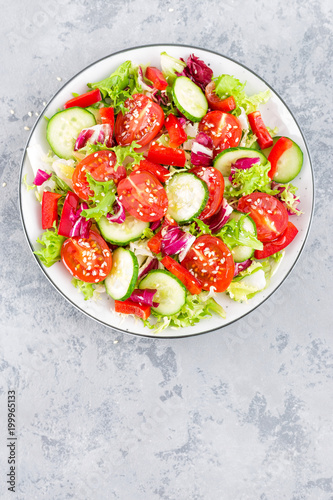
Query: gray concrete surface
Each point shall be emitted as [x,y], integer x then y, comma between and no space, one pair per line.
[240,414]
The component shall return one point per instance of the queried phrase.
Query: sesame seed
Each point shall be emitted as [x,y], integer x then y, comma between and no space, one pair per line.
[26,128]
[44,103]
[29,113]
[36,113]
[12,112]
[4,184]
[59,78]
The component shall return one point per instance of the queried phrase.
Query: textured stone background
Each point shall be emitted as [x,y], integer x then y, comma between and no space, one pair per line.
[240,414]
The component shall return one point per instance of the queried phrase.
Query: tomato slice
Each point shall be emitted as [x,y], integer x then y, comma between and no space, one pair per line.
[211,263]
[160,172]
[129,307]
[215,182]
[100,166]
[224,129]
[156,77]
[214,102]
[165,155]
[280,147]
[268,213]
[84,100]
[143,196]
[142,122]
[175,130]
[191,283]
[279,243]
[87,259]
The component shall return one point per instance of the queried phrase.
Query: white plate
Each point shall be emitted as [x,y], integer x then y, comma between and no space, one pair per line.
[275,113]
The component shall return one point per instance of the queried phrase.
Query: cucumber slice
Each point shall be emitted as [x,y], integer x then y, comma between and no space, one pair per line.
[121,234]
[170,66]
[64,127]
[224,160]
[123,276]
[189,99]
[243,252]
[289,164]
[187,195]
[171,293]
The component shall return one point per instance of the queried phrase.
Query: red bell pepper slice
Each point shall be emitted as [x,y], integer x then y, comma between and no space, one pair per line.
[49,209]
[165,155]
[191,283]
[227,105]
[176,132]
[282,145]
[156,77]
[129,307]
[154,244]
[160,172]
[279,243]
[84,100]
[70,204]
[258,127]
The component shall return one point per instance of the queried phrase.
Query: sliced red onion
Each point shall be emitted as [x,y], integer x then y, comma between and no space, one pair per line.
[141,81]
[119,215]
[98,133]
[241,266]
[155,224]
[161,98]
[182,121]
[242,164]
[150,264]
[81,226]
[41,177]
[217,221]
[197,71]
[188,244]
[174,240]
[202,150]
[144,297]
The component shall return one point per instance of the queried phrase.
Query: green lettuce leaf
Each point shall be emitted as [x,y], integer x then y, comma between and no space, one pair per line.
[195,308]
[233,234]
[51,247]
[119,86]
[87,289]
[250,180]
[228,85]
[29,187]
[103,199]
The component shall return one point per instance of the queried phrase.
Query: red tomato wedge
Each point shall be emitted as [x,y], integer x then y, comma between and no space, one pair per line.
[141,123]
[49,209]
[280,147]
[143,196]
[129,307]
[224,129]
[84,100]
[258,127]
[268,213]
[100,166]
[211,263]
[87,259]
[107,115]
[156,77]
[191,283]
[279,243]
[215,182]
[175,130]
[214,102]
[160,172]
[166,156]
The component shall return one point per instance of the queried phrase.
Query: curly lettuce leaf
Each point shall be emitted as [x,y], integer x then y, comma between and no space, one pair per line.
[119,86]
[252,179]
[51,247]
[234,234]
[103,199]
[228,85]
[195,308]
[87,289]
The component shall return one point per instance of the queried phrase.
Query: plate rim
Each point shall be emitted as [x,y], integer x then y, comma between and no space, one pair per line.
[151,335]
